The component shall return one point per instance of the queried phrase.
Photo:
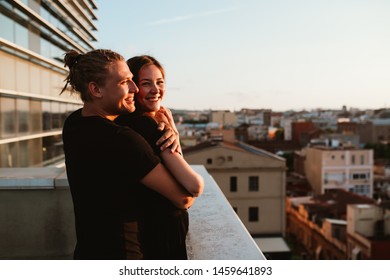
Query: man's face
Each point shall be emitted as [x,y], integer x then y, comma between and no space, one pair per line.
[119,90]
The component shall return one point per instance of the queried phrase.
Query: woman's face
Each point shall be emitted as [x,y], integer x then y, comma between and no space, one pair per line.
[151,86]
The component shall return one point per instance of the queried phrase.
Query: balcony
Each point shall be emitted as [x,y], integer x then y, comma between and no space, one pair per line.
[36,218]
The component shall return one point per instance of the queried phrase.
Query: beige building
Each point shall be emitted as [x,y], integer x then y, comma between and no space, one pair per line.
[350,169]
[374,131]
[224,118]
[368,232]
[253,181]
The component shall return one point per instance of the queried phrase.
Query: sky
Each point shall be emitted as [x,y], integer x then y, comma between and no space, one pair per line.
[259,54]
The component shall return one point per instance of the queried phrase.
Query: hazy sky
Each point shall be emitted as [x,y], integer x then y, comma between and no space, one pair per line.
[277,54]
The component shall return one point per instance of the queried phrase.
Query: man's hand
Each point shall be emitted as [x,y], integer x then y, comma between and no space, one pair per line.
[166,122]
[168,138]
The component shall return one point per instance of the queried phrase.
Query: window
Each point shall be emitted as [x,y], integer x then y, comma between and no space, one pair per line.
[7,117]
[362,159]
[229,158]
[361,189]
[353,159]
[23,115]
[209,161]
[233,184]
[360,176]
[253,214]
[46,116]
[253,183]
[334,178]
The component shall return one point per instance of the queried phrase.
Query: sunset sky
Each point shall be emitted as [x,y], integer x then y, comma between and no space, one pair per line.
[276,54]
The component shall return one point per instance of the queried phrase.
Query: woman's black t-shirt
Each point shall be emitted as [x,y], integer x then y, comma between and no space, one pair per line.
[165,227]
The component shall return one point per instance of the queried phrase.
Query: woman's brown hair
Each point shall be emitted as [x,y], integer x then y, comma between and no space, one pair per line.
[137,62]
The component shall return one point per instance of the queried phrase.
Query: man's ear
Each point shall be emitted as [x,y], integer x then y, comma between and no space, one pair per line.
[94,90]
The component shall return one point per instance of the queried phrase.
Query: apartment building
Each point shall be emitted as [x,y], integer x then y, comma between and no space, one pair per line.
[320,226]
[345,168]
[252,180]
[303,132]
[368,231]
[224,118]
[374,131]
[34,36]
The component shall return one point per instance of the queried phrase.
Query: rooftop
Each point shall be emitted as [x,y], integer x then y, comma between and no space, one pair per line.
[238,146]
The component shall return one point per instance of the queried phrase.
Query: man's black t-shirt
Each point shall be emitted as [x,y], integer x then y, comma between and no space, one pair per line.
[104,164]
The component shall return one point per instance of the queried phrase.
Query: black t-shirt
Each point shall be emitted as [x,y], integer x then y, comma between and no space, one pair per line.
[147,128]
[164,227]
[104,163]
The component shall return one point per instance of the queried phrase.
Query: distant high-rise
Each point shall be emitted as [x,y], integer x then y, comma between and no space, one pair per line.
[34,36]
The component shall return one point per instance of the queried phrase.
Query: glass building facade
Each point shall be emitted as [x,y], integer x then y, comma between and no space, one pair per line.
[34,35]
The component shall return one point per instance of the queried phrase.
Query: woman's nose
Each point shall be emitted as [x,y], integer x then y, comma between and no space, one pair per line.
[155,89]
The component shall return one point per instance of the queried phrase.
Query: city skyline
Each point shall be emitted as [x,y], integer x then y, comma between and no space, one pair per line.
[282,55]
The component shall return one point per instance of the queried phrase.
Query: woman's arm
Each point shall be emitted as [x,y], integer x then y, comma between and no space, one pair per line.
[160,180]
[183,172]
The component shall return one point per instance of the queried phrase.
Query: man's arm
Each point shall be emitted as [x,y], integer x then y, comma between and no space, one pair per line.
[160,180]
[183,172]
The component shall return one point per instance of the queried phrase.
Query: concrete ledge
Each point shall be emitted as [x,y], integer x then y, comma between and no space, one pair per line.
[216,232]
[61,181]
[29,178]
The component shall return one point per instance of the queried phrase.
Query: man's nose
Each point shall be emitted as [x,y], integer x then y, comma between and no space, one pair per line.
[133,87]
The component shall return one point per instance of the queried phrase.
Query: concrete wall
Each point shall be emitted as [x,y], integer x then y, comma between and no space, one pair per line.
[37,222]
[36,214]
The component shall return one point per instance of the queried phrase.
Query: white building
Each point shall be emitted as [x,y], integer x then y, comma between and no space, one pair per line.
[340,168]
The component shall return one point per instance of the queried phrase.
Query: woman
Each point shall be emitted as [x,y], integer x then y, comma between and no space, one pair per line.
[108,166]
[170,222]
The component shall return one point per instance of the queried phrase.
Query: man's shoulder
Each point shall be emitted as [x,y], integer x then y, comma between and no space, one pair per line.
[130,119]
[73,116]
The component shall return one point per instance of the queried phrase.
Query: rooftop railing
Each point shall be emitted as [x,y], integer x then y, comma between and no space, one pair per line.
[37,222]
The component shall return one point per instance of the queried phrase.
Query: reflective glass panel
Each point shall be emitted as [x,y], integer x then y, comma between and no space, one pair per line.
[7,117]
[23,112]
[46,115]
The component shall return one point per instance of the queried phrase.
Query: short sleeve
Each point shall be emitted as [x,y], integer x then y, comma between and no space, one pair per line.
[138,156]
[145,126]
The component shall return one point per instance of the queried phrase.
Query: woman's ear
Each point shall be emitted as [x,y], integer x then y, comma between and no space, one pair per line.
[94,90]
